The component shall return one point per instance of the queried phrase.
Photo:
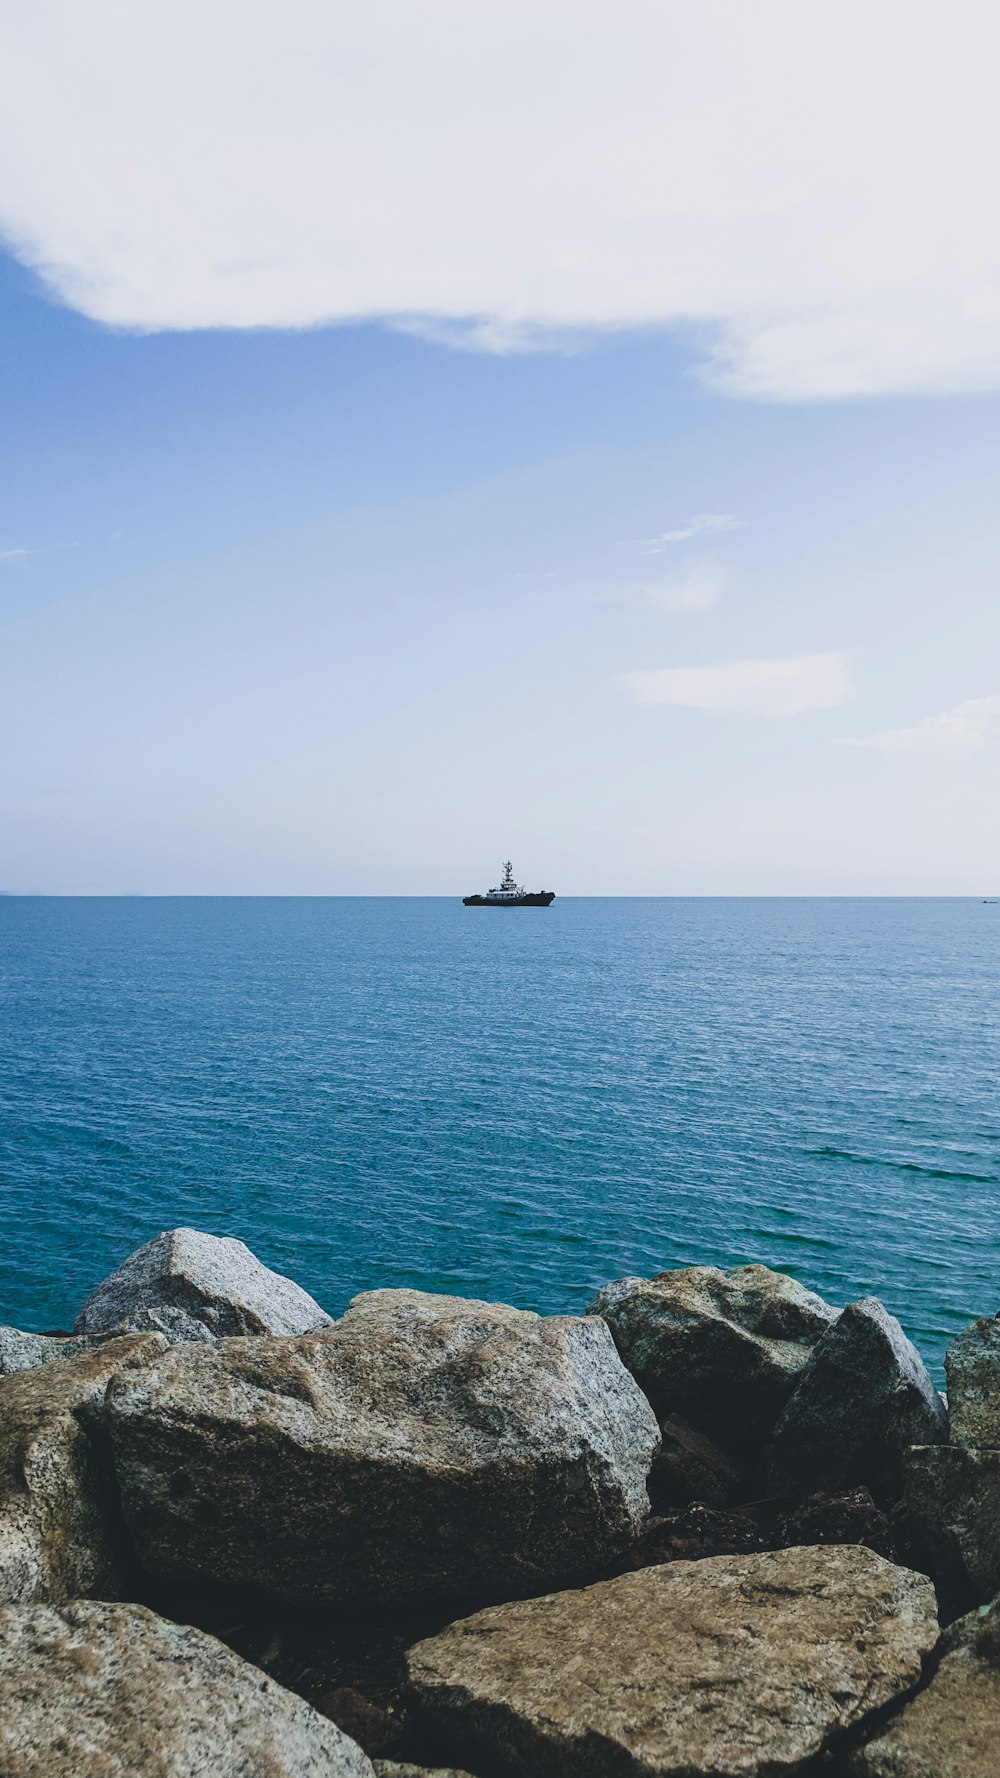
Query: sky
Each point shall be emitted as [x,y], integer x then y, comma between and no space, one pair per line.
[463,431]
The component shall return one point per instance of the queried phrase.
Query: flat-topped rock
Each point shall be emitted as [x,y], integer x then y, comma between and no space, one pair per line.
[26,1351]
[198,1287]
[60,1529]
[972,1367]
[421,1445]
[863,1398]
[721,1349]
[949,1730]
[92,1690]
[733,1667]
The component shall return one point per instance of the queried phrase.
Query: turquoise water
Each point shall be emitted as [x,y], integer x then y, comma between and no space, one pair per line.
[515,1105]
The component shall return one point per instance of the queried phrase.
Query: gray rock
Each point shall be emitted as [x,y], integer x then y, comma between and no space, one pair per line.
[972,1366]
[60,1528]
[423,1444]
[191,1286]
[950,1729]
[113,1691]
[26,1351]
[722,1349]
[734,1667]
[951,1506]
[690,1467]
[864,1397]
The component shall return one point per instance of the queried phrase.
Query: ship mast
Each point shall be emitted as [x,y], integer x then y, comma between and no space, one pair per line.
[507,881]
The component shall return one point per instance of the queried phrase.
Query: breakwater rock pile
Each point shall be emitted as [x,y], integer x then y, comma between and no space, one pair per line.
[710,1529]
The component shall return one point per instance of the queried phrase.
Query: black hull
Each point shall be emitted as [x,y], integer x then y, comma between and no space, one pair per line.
[541,900]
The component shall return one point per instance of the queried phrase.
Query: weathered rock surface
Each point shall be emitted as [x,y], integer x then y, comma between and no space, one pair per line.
[26,1351]
[722,1349]
[838,1518]
[691,1467]
[735,1667]
[863,1398]
[111,1691]
[191,1286]
[951,1508]
[952,1728]
[60,1531]
[694,1532]
[972,1366]
[422,1444]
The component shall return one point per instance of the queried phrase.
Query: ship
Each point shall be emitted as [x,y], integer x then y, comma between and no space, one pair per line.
[510,895]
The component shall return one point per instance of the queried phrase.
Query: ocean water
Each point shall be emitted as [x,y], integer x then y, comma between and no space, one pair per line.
[518,1106]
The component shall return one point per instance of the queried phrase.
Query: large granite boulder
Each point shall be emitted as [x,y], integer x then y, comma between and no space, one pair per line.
[112,1691]
[191,1286]
[951,1508]
[423,1444]
[972,1366]
[949,1730]
[722,1349]
[863,1398]
[60,1528]
[735,1667]
[26,1351]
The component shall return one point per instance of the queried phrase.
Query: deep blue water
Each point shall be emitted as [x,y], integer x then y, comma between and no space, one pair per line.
[513,1105]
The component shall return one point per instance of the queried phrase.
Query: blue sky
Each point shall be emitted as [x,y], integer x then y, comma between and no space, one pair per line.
[364,605]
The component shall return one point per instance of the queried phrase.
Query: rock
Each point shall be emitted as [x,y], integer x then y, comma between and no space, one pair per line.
[392,1768]
[972,1366]
[838,1518]
[60,1529]
[951,1511]
[374,1726]
[422,1445]
[736,1667]
[26,1351]
[93,1690]
[693,1533]
[863,1398]
[949,1730]
[722,1349]
[192,1286]
[691,1467]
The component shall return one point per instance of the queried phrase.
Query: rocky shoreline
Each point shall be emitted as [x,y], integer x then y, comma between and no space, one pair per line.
[714,1528]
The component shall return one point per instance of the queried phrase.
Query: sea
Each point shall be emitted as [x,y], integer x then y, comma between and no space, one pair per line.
[517,1105]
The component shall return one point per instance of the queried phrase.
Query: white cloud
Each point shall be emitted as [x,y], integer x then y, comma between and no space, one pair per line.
[810,189]
[967,728]
[755,688]
[703,521]
[10,555]
[697,588]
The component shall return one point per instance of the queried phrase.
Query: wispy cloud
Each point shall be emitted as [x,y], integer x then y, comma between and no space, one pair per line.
[966,728]
[12,555]
[697,588]
[703,521]
[755,688]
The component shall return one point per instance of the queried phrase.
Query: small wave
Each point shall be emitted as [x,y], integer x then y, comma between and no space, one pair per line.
[868,1160]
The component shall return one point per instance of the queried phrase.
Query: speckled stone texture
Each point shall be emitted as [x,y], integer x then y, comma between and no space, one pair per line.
[722,1349]
[93,1690]
[952,1729]
[422,1445]
[972,1366]
[60,1535]
[952,1512]
[26,1351]
[733,1667]
[863,1398]
[191,1286]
